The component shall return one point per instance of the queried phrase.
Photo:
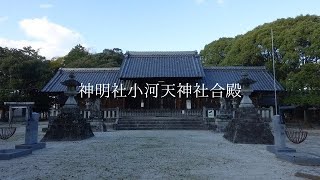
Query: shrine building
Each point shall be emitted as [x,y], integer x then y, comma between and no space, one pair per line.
[162,84]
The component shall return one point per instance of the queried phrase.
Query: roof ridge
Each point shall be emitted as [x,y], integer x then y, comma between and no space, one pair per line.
[161,53]
[91,69]
[236,67]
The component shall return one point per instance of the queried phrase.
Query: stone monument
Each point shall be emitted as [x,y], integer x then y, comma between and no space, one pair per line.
[248,127]
[224,116]
[97,123]
[31,133]
[96,112]
[69,124]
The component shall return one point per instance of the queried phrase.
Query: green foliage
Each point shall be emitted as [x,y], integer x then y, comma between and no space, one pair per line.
[22,69]
[215,52]
[75,54]
[23,72]
[79,57]
[304,86]
[296,43]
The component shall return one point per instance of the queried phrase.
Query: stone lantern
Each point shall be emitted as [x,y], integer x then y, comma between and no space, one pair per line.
[69,124]
[71,91]
[248,127]
[246,91]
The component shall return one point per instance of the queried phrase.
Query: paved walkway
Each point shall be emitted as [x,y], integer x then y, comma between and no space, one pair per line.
[150,155]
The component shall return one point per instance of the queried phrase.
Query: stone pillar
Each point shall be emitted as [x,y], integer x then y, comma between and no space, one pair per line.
[204,114]
[10,114]
[279,132]
[31,136]
[27,114]
[271,111]
[279,137]
[117,114]
[188,104]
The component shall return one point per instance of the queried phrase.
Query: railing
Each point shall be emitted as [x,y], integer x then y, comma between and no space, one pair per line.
[113,114]
[53,112]
[44,115]
[265,113]
[109,115]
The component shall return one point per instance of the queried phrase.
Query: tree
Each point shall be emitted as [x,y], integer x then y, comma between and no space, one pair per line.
[304,86]
[79,57]
[296,42]
[297,55]
[21,72]
[215,52]
[75,54]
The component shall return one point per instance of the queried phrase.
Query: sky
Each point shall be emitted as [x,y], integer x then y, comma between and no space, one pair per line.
[56,26]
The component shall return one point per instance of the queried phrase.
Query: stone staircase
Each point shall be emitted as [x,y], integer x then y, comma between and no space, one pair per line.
[152,122]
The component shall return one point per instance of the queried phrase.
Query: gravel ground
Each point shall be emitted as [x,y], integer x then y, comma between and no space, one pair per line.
[152,155]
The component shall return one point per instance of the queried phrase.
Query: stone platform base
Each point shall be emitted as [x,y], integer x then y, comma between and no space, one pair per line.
[33,147]
[308,174]
[290,155]
[7,154]
[300,158]
[68,126]
[68,132]
[275,150]
[248,132]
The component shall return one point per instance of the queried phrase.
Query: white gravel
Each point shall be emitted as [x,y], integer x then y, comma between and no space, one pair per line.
[150,155]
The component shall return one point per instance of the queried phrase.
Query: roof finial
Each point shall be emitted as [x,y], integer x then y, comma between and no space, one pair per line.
[71,75]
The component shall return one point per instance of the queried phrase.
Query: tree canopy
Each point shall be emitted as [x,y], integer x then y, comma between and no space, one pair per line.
[23,72]
[296,41]
[79,57]
[296,45]
[304,86]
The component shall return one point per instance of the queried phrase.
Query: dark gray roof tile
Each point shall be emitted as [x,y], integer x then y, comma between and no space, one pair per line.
[83,75]
[224,75]
[161,65]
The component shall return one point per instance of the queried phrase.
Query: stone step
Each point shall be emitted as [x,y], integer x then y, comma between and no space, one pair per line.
[136,120]
[160,118]
[159,124]
[153,122]
[160,121]
[160,128]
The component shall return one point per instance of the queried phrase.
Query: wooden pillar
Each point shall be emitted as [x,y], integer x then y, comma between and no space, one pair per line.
[305,116]
[178,103]
[161,103]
